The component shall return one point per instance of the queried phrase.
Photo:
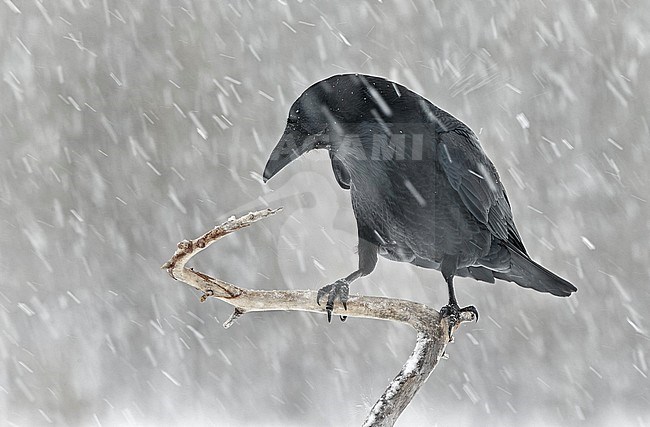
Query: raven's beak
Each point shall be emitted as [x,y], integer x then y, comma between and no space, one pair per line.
[291,146]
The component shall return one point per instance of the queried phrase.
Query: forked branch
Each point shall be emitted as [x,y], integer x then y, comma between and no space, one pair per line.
[432,330]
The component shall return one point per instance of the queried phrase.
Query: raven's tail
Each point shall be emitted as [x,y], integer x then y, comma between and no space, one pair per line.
[527,273]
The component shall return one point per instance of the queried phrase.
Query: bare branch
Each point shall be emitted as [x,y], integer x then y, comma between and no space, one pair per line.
[432,330]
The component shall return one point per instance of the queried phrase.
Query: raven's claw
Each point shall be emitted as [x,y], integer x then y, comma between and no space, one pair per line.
[452,311]
[338,290]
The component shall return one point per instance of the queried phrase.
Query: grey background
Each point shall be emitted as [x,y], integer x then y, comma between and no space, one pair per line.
[128,126]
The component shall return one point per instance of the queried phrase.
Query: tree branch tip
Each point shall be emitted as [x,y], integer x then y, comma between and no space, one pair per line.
[236,314]
[271,211]
[254,216]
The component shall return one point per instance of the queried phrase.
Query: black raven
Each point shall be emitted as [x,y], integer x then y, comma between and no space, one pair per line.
[423,190]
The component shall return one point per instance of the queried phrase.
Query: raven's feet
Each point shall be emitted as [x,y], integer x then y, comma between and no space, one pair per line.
[454,313]
[338,290]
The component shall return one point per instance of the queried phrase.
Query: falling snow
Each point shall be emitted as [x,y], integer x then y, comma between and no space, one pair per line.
[126,127]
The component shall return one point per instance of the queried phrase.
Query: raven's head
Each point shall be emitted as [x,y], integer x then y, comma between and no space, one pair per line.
[330,110]
[309,125]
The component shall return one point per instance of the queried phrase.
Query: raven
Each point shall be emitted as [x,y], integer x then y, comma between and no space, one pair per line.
[423,190]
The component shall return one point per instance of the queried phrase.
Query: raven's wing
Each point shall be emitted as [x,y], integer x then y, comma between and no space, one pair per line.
[340,172]
[471,173]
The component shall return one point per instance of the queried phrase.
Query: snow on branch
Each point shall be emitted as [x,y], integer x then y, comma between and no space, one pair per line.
[432,330]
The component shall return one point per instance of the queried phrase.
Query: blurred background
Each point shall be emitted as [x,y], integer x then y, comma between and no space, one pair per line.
[127,126]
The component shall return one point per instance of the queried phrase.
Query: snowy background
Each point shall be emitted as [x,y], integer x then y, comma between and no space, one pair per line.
[126,126]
